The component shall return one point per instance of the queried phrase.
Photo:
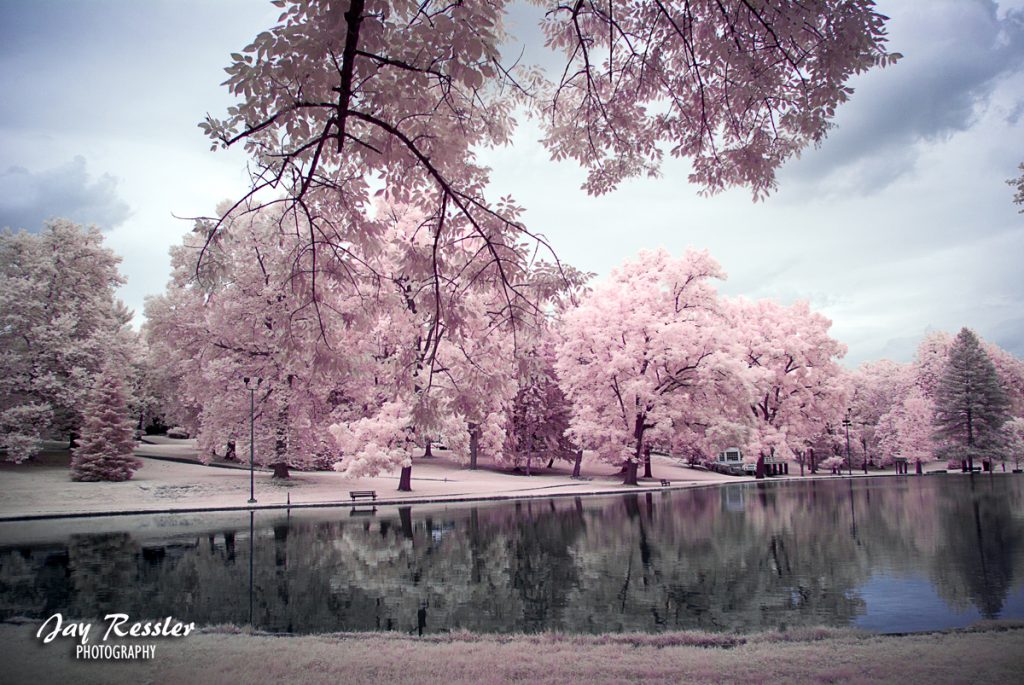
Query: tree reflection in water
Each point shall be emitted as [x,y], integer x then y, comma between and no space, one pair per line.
[742,557]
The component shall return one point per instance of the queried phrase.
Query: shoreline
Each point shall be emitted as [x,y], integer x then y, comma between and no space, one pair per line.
[531,493]
[172,482]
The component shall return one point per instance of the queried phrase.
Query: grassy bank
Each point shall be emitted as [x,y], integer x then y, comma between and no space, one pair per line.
[987,653]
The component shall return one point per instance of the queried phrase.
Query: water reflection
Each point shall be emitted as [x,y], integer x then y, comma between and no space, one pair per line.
[742,557]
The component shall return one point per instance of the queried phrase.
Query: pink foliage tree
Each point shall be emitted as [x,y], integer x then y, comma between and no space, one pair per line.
[930,361]
[908,430]
[336,92]
[245,315]
[437,344]
[794,384]
[1010,370]
[340,98]
[60,323]
[478,379]
[104,451]
[641,357]
[833,463]
[877,388]
[1013,439]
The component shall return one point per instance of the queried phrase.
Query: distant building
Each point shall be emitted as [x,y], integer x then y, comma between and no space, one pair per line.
[732,459]
[731,455]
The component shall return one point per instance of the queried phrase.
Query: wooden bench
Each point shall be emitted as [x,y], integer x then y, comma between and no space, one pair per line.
[363,494]
[665,483]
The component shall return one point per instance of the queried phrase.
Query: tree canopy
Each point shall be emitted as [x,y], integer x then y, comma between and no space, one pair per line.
[970,405]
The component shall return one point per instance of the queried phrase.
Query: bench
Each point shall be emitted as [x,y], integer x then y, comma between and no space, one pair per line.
[665,483]
[363,494]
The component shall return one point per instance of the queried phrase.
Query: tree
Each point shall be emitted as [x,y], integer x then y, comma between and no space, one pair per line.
[335,92]
[341,98]
[1013,440]
[478,381]
[643,357]
[834,464]
[1010,370]
[930,361]
[1018,186]
[60,323]
[436,344]
[245,315]
[541,414]
[877,388]
[793,381]
[907,431]
[105,448]
[970,404]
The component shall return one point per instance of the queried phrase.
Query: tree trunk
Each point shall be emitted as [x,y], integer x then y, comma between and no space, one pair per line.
[576,466]
[405,480]
[918,469]
[814,465]
[529,461]
[474,444]
[280,470]
[759,472]
[647,462]
[631,469]
[426,450]
[633,464]
[551,462]
[73,439]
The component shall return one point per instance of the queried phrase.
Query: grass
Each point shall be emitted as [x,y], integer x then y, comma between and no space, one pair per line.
[989,652]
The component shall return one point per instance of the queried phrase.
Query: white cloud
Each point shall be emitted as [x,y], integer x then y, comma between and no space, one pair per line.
[28,198]
[957,54]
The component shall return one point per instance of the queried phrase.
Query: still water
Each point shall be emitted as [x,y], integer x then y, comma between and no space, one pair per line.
[885,554]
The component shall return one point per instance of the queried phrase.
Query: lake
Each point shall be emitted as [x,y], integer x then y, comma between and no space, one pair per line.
[885,554]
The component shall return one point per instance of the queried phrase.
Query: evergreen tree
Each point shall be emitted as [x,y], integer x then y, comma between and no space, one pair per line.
[970,404]
[105,448]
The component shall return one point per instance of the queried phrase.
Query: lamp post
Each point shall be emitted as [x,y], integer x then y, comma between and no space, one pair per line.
[846,424]
[252,433]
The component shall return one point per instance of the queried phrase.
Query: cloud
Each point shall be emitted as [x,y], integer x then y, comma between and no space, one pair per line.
[27,199]
[956,55]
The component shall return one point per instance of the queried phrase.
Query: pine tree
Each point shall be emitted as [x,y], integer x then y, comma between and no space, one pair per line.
[105,447]
[970,404]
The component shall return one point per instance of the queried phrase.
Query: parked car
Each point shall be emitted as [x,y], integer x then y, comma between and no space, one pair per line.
[177,433]
[727,469]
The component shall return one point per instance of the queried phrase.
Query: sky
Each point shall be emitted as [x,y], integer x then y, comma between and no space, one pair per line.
[900,223]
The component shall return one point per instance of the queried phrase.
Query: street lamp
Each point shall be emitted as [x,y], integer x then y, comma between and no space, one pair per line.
[252,433]
[846,424]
